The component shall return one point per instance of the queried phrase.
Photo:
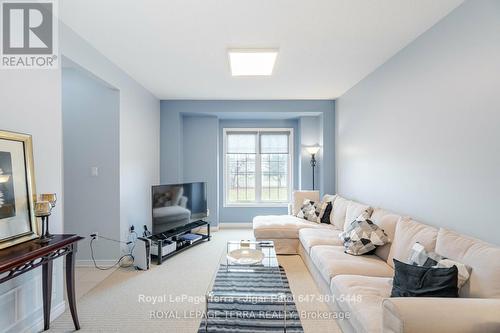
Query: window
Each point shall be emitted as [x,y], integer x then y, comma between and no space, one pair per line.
[257,166]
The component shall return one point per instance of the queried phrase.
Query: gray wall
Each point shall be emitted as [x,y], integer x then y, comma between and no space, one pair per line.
[199,138]
[139,130]
[309,134]
[420,135]
[199,165]
[30,102]
[91,137]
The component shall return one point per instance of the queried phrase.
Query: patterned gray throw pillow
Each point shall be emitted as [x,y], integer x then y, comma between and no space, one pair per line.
[420,257]
[309,211]
[363,236]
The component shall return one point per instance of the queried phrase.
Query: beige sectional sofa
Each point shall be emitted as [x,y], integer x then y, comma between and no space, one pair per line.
[360,286]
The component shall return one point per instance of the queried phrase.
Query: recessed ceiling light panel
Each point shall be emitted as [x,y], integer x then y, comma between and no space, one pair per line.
[245,62]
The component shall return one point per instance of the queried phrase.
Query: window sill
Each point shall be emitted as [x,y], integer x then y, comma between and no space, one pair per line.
[256,205]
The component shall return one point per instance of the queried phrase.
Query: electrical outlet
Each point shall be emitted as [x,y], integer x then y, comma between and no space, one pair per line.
[94,171]
[95,235]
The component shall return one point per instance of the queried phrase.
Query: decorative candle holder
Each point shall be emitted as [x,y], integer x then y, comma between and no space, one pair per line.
[43,210]
[52,199]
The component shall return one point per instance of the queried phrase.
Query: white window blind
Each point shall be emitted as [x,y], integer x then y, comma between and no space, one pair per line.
[257,166]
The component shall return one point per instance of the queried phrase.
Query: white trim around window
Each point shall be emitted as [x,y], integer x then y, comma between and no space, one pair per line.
[258,202]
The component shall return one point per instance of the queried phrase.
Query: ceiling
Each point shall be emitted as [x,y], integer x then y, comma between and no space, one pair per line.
[177,49]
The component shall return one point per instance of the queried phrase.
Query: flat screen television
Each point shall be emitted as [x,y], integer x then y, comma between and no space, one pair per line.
[176,205]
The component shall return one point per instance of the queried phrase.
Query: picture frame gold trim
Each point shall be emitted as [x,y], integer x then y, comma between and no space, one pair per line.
[27,142]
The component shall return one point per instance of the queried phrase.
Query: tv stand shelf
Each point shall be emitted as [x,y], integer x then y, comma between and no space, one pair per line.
[158,239]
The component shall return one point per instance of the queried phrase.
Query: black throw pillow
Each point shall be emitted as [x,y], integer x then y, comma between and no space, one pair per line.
[325,212]
[419,281]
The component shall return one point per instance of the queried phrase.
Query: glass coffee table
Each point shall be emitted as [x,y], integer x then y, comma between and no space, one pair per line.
[270,258]
[248,297]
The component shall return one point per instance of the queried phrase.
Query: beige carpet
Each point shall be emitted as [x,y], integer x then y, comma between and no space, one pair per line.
[114,305]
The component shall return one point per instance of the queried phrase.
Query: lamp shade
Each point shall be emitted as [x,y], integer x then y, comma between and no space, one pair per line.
[313,150]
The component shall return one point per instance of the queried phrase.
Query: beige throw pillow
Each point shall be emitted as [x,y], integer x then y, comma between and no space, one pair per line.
[463,270]
[337,217]
[355,209]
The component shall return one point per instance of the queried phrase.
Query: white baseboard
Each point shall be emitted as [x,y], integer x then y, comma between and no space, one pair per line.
[90,263]
[38,325]
[235,225]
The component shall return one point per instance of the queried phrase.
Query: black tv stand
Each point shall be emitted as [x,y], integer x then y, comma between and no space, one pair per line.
[172,234]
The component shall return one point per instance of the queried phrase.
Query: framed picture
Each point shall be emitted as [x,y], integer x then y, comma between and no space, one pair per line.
[17,189]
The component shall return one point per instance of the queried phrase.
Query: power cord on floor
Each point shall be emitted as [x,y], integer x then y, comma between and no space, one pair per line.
[119,261]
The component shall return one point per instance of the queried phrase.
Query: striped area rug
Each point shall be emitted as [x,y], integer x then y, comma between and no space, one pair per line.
[262,311]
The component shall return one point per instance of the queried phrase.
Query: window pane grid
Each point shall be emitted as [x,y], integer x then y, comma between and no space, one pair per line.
[274,186]
[241,177]
[260,175]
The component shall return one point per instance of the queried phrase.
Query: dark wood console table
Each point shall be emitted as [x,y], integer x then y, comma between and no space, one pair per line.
[24,257]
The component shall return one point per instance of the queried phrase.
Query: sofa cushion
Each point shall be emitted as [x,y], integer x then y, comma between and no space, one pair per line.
[337,217]
[440,315]
[354,210]
[484,281]
[362,296]
[310,237]
[332,261]
[387,221]
[281,226]
[408,232]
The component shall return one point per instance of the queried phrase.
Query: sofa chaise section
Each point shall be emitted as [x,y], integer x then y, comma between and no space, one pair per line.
[282,229]
[285,230]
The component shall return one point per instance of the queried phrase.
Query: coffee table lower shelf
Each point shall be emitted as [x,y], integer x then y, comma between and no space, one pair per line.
[249,298]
